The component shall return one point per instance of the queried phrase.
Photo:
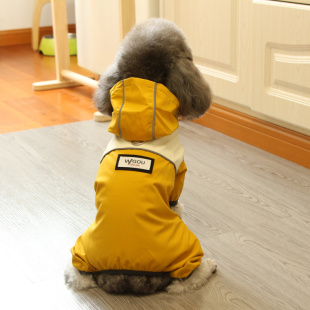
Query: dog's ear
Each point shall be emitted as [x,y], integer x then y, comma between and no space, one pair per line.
[102,95]
[189,86]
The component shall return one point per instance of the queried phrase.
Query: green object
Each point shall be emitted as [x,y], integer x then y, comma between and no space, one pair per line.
[47,45]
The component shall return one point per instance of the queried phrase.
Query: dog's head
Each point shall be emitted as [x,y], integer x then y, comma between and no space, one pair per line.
[157,50]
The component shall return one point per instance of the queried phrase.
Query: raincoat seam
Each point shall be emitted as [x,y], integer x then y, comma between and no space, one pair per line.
[120,110]
[154,113]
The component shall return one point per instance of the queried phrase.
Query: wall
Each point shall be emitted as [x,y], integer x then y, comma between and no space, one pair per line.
[17,14]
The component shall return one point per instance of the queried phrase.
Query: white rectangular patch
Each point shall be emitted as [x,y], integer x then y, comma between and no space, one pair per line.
[134,163]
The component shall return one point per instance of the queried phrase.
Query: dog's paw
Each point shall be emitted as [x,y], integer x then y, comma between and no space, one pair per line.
[77,281]
[198,278]
[176,287]
[212,265]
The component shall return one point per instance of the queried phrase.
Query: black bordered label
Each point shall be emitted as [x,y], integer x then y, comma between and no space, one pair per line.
[134,163]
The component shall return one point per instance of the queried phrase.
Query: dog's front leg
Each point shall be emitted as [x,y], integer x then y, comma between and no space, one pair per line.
[178,209]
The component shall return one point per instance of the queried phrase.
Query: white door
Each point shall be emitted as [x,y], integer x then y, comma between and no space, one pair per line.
[281,61]
[219,33]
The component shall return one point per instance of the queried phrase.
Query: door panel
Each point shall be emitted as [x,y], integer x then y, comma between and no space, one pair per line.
[281,75]
[217,31]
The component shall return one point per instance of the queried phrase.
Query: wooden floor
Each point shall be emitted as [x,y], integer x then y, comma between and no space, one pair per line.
[250,210]
[22,108]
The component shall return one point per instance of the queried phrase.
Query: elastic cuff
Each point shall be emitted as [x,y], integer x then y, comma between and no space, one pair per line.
[173,203]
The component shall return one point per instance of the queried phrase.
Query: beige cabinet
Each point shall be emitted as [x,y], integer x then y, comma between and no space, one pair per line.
[255,54]
[98,30]
[281,58]
[218,32]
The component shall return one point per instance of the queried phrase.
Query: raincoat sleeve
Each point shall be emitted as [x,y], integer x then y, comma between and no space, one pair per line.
[178,185]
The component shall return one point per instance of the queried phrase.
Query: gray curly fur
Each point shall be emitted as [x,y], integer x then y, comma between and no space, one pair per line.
[132,284]
[157,50]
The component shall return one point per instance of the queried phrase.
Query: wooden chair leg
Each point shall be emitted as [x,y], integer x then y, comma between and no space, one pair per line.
[62,57]
[60,31]
[36,22]
[65,77]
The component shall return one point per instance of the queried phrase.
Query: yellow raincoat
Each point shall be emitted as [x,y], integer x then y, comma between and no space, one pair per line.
[141,174]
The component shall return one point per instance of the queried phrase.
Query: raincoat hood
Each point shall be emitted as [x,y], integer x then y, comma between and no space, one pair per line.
[142,110]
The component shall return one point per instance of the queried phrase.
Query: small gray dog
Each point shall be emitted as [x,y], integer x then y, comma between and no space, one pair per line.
[138,242]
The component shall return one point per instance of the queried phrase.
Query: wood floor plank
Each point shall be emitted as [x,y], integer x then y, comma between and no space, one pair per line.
[37,110]
[12,120]
[20,67]
[249,209]
[265,268]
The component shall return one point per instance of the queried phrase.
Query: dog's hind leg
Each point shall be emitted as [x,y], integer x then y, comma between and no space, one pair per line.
[198,278]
